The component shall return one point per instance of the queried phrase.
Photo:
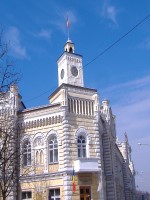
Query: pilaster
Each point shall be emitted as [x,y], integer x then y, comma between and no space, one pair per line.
[67,187]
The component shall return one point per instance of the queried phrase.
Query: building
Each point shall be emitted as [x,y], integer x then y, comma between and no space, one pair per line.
[74,133]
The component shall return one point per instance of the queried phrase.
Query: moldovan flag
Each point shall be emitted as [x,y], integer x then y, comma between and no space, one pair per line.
[73,182]
[68,22]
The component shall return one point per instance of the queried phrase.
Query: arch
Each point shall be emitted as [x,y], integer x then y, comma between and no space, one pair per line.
[71,50]
[39,134]
[50,120]
[35,123]
[44,122]
[51,132]
[26,137]
[82,131]
[38,123]
[53,120]
[41,122]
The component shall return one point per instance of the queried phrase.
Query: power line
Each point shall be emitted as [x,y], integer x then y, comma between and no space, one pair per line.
[102,53]
[118,40]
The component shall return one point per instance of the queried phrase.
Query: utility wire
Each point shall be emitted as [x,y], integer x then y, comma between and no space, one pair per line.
[102,53]
[117,41]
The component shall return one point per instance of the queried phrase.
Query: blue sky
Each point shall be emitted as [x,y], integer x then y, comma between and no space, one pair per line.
[37,33]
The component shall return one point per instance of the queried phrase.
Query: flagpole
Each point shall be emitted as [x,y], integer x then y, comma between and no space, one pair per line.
[68,33]
[68,26]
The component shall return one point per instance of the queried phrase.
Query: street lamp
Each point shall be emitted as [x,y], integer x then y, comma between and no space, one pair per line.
[143,144]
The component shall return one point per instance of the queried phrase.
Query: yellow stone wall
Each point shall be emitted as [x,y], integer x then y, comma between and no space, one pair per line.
[83,179]
[39,189]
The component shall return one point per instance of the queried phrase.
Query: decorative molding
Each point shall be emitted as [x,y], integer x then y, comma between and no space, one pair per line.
[41,122]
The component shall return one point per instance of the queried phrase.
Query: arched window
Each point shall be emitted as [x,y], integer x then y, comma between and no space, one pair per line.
[41,157]
[26,153]
[81,146]
[70,50]
[53,149]
[37,157]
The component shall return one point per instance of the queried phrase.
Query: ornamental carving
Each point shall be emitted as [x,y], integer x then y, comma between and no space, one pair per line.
[38,142]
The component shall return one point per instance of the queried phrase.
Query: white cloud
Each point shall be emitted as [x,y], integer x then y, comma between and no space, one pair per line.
[109,12]
[13,36]
[43,33]
[131,105]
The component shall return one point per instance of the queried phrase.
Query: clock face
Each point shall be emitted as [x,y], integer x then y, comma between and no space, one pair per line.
[74,71]
[62,73]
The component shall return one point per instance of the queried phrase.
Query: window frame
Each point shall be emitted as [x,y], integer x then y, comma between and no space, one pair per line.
[82,146]
[27,153]
[26,196]
[53,149]
[55,196]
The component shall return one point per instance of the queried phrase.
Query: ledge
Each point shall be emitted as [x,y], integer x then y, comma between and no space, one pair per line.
[86,165]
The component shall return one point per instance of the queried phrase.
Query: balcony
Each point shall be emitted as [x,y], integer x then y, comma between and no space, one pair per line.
[86,165]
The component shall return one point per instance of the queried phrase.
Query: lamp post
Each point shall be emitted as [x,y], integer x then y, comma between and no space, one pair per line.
[143,144]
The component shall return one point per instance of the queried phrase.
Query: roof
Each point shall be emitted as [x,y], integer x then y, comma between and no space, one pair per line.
[39,108]
[63,85]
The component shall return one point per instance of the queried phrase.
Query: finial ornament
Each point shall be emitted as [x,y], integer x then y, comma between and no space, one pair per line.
[126,137]
[68,26]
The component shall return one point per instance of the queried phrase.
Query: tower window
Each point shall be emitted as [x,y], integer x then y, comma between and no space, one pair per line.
[81,146]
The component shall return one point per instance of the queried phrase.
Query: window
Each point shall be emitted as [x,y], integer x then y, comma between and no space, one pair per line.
[27,153]
[27,195]
[41,157]
[81,146]
[53,150]
[54,194]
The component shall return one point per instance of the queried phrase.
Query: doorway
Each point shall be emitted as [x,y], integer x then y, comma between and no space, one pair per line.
[85,193]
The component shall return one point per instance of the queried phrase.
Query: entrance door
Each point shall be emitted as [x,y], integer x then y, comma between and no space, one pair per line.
[85,193]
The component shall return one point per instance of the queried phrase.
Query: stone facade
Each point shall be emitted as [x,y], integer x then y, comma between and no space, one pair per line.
[74,132]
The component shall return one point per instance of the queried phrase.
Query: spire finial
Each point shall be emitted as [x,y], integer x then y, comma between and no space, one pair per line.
[126,137]
[68,25]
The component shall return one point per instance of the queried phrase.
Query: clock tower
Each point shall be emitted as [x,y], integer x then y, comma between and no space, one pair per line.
[70,69]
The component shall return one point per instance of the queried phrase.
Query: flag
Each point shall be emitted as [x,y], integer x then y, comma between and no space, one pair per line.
[68,23]
[73,181]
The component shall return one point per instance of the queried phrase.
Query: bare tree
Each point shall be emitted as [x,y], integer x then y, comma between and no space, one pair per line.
[8,76]
[9,157]
[8,124]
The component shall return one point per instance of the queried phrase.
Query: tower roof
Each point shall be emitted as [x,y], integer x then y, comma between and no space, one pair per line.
[69,46]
